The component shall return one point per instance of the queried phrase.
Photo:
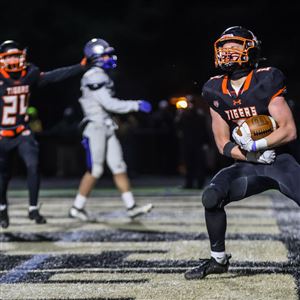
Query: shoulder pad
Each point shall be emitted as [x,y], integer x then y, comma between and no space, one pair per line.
[211,86]
[33,71]
[31,67]
[94,76]
[216,77]
[266,69]
[271,72]
[214,81]
[273,80]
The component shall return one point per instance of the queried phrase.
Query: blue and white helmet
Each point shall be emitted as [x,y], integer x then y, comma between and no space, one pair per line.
[96,49]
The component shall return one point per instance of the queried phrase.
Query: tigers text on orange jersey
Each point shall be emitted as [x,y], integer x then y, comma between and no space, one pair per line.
[16,90]
[242,112]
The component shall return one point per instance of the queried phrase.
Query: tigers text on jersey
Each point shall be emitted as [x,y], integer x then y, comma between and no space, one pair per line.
[15,93]
[253,98]
[97,100]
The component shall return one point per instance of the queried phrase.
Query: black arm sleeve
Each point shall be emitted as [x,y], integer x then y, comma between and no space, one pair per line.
[60,74]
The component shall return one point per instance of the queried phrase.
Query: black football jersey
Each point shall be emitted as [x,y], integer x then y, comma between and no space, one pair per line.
[259,88]
[15,93]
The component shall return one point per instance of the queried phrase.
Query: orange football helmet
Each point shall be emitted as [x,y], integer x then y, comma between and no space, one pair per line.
[12,56]
[231,58]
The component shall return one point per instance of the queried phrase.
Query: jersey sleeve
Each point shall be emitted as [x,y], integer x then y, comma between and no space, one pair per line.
[274,81]
[60,74]
[279,82]
[33,74]
[209,94]
[98,85]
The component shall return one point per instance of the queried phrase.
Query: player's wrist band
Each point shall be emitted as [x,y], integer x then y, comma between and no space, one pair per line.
[259,145]
[227,148]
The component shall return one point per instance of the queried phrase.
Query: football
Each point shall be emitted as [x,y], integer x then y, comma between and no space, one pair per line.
[259,126]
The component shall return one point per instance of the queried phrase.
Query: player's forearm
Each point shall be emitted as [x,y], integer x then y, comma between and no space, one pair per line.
[113,104]
[120,106]
[281,136]
[236,153]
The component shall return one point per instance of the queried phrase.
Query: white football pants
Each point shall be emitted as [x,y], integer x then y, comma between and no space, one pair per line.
[100,143]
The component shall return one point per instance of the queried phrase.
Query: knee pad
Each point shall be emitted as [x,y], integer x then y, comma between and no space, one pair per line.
[211,198]
[97,170]
[118,168]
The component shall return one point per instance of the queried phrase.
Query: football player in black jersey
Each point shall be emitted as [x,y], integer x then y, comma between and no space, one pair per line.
[17,79]
[244,90]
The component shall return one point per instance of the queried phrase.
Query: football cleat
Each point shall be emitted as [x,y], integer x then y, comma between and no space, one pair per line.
[34,214]
[79,214]
[4,220]
[207,266]
[136,210]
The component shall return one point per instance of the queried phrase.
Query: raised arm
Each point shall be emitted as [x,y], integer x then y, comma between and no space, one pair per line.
[113,104]
[60,74]
[97,85]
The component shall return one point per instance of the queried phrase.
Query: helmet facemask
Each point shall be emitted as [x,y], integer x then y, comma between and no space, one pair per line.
[230,59]
[13,60]
[107,60]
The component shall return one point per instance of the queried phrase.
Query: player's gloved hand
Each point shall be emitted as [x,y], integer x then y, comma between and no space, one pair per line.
[243,138]
[145,106]
[265,157]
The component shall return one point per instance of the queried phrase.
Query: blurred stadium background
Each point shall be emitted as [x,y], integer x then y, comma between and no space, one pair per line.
[165,54]
[165,51]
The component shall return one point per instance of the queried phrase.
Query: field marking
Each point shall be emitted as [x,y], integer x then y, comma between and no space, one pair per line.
[19,272]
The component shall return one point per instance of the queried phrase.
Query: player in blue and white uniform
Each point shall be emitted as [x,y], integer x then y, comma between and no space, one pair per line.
[99,139]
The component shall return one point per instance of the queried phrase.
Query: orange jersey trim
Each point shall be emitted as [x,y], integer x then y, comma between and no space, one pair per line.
[4,73]
[247,82]
[23,73]
[278,93]
[12,132]
[224,85]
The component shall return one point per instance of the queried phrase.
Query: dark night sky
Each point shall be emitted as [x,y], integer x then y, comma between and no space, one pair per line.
[164,47]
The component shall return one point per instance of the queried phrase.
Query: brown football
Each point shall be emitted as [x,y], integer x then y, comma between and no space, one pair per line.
[260,126]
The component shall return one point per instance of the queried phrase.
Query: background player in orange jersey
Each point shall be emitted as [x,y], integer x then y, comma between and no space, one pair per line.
[17,79]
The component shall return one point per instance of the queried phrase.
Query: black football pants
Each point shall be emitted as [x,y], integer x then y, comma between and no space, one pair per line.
[242,180]
[27,148]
